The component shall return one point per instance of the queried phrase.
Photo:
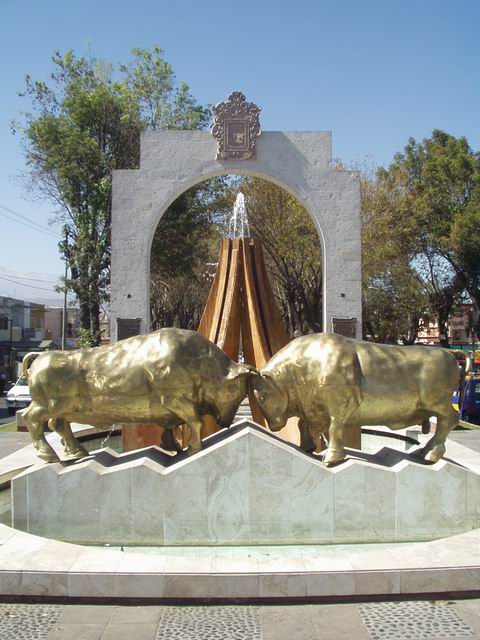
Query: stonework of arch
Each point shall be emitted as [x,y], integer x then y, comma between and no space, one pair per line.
[173,161]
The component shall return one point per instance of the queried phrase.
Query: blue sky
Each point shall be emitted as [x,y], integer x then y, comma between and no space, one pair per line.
[374,72]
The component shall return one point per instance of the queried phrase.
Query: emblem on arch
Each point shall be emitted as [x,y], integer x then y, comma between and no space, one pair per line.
[236,127]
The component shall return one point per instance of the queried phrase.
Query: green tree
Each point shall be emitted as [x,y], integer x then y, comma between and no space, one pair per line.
[82,126]
[421,219]
[185,252]
[394,298]
[441,179]
[187,242]
[292,253]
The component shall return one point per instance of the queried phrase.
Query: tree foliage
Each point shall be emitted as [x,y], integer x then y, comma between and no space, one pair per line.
[85,123]
[442,175]
[185,252]
[187,243]
[292,253]
[421,224]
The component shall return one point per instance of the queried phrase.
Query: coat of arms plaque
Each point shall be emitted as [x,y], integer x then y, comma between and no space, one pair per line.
[236,127]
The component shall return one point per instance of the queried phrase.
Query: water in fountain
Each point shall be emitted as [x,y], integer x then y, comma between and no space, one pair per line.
[238,224]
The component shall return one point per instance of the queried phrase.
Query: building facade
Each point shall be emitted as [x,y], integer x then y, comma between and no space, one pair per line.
[24,326]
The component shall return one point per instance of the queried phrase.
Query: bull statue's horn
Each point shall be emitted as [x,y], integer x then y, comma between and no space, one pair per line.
[27,362]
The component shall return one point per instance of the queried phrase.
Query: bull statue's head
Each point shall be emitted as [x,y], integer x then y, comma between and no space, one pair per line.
[233,391]
[272,400]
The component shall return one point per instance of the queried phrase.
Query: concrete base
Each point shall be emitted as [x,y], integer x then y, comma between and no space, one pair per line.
[246,487]
[31,566]
[36,567]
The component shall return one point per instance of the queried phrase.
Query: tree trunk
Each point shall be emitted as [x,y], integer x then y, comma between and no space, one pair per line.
[84,313]
[95,323]
[442,321]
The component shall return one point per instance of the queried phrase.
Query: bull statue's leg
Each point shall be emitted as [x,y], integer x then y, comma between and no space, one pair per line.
[73,448]
[169,442]
[343,403]
[186,411]
[195,442]
[306,441]
[36,417]
[434,450]
[336,442]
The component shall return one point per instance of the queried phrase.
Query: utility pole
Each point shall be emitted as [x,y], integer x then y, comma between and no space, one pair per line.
[10,367]
[64,314]
[474,319]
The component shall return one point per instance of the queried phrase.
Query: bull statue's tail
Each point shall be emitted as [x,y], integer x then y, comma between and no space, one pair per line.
[27,362]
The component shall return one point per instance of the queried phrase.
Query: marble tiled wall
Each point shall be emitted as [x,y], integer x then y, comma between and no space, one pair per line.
[247,489]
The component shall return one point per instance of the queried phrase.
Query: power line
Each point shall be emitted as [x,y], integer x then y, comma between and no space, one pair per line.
[31,286]
[47,233]
[20,215]
[28,222]
[31,279]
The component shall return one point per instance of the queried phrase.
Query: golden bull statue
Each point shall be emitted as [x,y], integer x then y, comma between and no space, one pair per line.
[171,377]
[334,384]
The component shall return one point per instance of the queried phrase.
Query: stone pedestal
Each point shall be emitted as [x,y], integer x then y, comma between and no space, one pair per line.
[246,487]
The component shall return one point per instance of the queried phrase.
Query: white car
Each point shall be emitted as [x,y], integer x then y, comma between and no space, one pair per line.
[19,396]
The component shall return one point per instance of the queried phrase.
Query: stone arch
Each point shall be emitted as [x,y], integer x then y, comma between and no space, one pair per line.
[173,161]
[200,178]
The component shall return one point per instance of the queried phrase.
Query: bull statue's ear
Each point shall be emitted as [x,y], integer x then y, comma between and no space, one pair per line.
[239,370]
[258,379]
[248,368]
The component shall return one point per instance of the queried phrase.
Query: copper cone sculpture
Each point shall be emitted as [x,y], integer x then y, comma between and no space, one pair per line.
[241,303]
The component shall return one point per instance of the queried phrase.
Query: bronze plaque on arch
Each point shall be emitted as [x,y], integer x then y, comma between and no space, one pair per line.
[127,328]
[344,326]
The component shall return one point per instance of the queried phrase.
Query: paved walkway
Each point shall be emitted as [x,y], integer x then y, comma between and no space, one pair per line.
[415,620]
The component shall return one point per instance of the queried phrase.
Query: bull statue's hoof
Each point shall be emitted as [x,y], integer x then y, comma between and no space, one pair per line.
[333,457]
[435,454]
[78,454]
[48,455]
[308,449]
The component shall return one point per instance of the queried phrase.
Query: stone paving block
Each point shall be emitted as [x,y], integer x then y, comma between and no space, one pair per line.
[76,632]
[130,632]
[338,621]
[287,623]
[135,615]
[81,614]
[469,610]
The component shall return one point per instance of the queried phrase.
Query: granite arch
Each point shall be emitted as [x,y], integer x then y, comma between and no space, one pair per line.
[173,161]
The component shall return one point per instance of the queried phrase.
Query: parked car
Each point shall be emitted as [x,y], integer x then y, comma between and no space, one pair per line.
[467,400]
[19,396]
[461,357]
